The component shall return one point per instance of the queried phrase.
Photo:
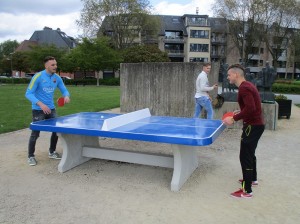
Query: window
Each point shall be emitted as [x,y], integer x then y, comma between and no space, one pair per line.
[254,50]
[173,35]
[109,33]
[214,50]
[222,50]
[197,20]
[199,34]
[283,53]
[198,47]
[261,50]
[253,63]
[261,62]
[198,59]
[281,64]
[175,20]
[174,48]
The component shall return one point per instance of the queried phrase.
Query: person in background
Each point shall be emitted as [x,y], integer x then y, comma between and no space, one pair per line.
[40,93]
[202,99]
[253,127]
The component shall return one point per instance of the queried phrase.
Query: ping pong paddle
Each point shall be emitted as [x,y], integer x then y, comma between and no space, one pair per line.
[61,101]
[228,114]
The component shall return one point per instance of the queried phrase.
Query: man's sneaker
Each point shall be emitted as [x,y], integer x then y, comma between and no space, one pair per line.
[254,183]
[31,161]
[241,194]
[247,195]
[54,155]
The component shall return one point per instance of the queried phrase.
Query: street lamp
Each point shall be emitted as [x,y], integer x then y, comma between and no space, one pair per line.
[11,68]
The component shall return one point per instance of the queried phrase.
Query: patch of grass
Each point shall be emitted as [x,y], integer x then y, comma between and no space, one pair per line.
[15,112]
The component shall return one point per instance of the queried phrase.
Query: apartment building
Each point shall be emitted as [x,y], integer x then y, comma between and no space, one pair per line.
[186,38]
[200,38]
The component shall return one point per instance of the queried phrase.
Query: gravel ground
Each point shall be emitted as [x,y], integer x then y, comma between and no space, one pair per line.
[102,191]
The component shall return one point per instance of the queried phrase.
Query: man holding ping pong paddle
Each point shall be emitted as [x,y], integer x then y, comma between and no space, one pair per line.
[253,127]
[40,92]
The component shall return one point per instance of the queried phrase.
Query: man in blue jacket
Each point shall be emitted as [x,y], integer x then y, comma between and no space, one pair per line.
[40,92]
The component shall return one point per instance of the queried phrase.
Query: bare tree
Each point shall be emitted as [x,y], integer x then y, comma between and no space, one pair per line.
[122,20]
[255,22]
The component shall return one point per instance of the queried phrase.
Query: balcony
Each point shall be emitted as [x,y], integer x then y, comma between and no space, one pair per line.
[175,53]
[254,56]
[150,40]
[219,41]
[217,55]
[169,39]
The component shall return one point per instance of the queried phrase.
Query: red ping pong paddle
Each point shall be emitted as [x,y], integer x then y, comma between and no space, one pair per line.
[228,114]
[61,101]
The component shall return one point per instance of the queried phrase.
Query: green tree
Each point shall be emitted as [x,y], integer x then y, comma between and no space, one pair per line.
[38,53]
[123,20]
[92,55]
[7,48]
[20,62]
[144,53]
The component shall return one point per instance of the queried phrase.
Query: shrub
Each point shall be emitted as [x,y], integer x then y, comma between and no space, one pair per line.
[286,88]
[280,97]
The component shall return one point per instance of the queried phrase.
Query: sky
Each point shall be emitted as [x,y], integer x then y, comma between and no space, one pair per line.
[20,18]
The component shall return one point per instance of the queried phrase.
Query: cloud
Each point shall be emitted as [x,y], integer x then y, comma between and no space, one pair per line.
[19,18]
[167,8]
[53,7]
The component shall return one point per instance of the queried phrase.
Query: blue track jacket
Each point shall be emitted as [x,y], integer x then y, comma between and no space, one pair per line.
[42,87]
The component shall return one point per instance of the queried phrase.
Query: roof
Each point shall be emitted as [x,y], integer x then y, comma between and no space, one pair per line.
[56,37]
[172,23]
[26,45]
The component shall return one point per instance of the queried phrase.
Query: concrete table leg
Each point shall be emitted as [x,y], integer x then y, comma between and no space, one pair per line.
[72,150]
[185,162]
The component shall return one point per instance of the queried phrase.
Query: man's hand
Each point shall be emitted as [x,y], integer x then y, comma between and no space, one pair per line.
[228,121]
[67,99]
[236,112]
[45,109]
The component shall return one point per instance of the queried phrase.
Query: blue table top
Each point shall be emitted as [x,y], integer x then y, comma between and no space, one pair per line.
[162,129]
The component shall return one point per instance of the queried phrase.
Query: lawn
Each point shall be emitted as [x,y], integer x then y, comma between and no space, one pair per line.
[15,112]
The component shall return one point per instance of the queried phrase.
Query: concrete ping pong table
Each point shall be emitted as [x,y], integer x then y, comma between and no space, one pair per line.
[79,134]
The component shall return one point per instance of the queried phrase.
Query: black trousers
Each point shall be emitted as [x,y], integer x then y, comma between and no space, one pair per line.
[38,115]
[250,136]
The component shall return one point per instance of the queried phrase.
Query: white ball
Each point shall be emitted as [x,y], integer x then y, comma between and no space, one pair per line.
[102,116]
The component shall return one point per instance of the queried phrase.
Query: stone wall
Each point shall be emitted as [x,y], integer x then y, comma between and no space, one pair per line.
[167,89]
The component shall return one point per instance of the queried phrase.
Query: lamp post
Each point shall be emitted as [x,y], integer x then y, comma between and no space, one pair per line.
[11,67]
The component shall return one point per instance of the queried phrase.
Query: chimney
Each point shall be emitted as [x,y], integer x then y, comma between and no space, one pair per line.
[197,10]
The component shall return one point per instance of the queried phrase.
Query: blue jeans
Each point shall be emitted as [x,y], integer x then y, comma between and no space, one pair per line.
[38,115]
[203,102]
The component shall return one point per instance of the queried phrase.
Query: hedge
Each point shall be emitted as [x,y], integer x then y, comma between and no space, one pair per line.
[286,88]
[108,82]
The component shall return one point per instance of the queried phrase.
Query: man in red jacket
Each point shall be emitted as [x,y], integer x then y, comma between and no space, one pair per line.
[253,127]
